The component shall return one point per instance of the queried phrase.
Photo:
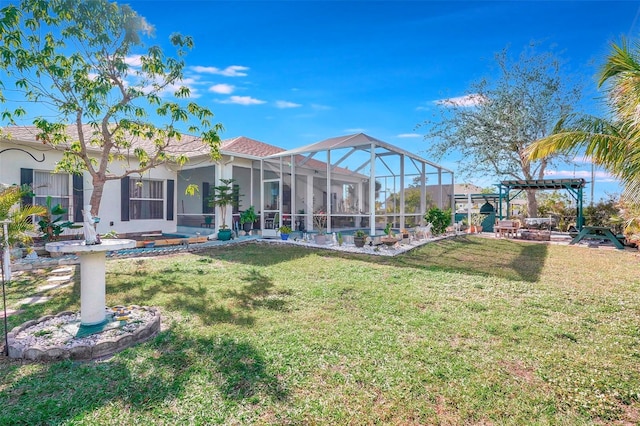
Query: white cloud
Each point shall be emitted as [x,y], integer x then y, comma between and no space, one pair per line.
[230,71]
[170,89]
[409,135]
[242,100]
[223,89]
[287,104]
[133,60]
[471,100]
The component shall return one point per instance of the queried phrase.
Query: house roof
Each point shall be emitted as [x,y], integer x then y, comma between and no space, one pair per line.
[189,145]
[192,146]
[246,146]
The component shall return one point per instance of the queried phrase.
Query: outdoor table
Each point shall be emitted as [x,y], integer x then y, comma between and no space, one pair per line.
[599,232]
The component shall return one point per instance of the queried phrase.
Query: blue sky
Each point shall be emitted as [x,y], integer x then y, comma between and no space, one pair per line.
[290,73]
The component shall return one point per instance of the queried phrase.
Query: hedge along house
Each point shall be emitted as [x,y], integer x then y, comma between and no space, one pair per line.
[348,182]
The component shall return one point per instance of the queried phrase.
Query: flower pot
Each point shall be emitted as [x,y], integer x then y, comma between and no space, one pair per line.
[224,234]
[359,241]
[247,226]
[320,239]
[389,241]
[284,237]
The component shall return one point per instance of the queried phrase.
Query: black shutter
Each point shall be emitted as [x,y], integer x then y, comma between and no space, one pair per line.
[26,178]
[170,200]
[206,208]
[124,199]
[78,198]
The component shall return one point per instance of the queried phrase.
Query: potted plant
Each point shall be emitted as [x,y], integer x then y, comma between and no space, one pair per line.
[52,223]
[405,236]
[224,195]
[284,232]
[476,223]
[359,238]
[247,218]
[390,238]
[320,225]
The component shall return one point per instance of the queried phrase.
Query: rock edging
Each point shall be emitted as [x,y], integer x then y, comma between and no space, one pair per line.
[87,349]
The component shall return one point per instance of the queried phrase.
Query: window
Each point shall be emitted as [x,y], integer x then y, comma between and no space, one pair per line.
[54,185]
[146,199]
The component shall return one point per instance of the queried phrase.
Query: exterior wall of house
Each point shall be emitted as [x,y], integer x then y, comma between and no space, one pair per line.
[17,156]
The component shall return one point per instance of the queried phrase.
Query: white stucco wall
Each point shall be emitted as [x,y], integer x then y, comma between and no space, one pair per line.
[12,160]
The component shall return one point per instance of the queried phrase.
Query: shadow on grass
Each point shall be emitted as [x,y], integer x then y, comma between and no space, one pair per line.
[480,256]
[473,255]
[259,293]
[257,253]
[176,295]
[151,377]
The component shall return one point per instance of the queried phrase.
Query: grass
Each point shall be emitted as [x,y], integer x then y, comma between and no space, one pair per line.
[466,331]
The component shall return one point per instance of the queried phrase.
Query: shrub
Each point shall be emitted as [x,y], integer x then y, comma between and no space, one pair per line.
[439,220]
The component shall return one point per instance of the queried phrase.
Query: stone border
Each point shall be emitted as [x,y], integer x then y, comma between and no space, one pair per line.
[86,351]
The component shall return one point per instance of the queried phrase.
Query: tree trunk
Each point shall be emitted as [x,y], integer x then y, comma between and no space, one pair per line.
[96,195]
[532,203]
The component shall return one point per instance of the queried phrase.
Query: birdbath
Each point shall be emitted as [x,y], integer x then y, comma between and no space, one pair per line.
[92,274]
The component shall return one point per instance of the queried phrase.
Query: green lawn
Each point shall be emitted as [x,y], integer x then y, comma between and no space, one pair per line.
[466,331]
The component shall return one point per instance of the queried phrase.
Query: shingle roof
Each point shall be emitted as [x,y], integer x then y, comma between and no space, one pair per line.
[189,145]
[248,146]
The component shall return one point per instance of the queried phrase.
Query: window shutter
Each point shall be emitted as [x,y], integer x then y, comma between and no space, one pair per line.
[206,208]
[170,200]
[26,178]
[124,199]
[78,198]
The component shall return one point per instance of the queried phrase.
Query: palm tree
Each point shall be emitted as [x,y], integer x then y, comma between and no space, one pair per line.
[613,143]
[20,216]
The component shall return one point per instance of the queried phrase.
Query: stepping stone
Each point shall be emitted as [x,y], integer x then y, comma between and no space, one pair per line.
[52,286]
[59,278]
[34,300]
[10,312]
[64,270]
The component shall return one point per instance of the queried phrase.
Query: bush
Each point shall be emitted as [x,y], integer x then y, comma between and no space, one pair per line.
[439,220]
[605,213]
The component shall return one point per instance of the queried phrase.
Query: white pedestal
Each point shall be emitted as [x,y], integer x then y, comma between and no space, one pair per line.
[92,274]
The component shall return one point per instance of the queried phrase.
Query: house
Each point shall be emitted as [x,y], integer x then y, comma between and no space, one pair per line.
[340,183]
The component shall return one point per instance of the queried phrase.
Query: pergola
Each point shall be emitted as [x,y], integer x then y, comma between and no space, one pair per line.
[350,182]
[574,186]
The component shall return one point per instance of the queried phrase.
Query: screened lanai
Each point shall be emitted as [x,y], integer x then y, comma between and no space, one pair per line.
[351,182]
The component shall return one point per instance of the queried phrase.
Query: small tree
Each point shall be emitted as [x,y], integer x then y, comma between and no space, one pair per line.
[499,118]
[224,195]
[85,59]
